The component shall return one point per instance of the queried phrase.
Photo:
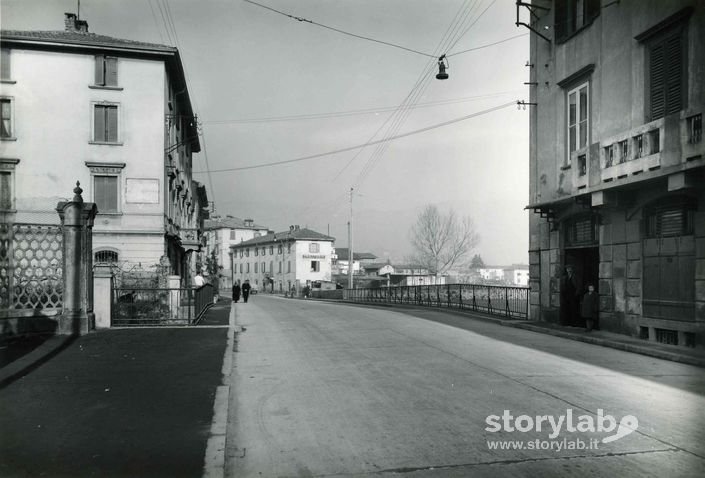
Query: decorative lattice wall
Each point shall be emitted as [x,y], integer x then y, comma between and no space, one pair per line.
[31,266]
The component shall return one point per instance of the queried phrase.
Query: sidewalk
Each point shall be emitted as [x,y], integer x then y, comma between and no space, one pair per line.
[129,402]
[673,353]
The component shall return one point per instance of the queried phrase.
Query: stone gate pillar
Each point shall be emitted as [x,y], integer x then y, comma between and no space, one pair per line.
[77,223]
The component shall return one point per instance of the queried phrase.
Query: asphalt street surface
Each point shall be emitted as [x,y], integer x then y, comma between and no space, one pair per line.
[116,403]
[324,389]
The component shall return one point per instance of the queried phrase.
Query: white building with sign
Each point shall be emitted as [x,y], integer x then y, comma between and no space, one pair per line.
[281,261]
[115,115]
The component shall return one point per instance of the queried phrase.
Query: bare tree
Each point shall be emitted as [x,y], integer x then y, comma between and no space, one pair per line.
[441,240]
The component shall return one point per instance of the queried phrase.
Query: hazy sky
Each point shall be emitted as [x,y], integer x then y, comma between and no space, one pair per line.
[251,70]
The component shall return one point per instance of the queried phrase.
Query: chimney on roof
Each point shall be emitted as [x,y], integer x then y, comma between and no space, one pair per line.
[296,227]
[73,24]
[249,222]
[291,228]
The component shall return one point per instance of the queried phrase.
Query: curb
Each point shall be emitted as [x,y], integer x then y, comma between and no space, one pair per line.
[627,347]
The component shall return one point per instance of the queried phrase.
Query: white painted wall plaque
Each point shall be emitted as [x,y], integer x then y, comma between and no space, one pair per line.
[142,191]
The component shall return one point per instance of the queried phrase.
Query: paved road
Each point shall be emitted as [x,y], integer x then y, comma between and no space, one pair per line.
[324,389]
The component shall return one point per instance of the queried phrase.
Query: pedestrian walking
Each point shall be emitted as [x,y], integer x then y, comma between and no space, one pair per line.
[246,290]
[236,292]
[589,308]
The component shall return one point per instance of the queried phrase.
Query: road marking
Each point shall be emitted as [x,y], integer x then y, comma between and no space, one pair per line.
[214,460]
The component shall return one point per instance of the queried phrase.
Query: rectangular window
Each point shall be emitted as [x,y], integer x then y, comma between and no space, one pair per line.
[280,267]
[232,234]
[256,251]
[279,250]
[315,266]
[256,264]
[314,248]
[288,266]
[5,190]
[5,72]
[240,268]
[105,126]
[666,74]
[271,250]
[105,70]
[247,268]
[247,253]
[6,126]
[105,193]
[572,15]
[609,156]
[578,118]
[654,141]
[264,267]
[582,165]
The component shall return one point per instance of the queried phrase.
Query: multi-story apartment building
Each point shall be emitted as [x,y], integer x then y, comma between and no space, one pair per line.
[617,179]
[223,232]
[283,260]
[113,114]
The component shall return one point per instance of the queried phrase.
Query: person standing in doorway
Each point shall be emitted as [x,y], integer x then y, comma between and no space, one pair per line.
[236,292]
[589,308]
[246,290]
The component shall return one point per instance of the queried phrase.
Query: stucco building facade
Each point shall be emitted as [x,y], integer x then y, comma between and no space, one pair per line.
[115,115]
[617,188]
[283,260]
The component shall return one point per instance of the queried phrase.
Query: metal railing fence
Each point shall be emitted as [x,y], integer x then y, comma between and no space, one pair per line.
[505,301]
[160,306]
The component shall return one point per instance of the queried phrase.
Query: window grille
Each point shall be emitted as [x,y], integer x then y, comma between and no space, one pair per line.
[666,336]
[105,257]
[581,232]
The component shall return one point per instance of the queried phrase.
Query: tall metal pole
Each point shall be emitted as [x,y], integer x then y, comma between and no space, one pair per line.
[350,244]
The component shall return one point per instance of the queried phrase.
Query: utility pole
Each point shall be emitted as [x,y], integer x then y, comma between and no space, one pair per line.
[350,243]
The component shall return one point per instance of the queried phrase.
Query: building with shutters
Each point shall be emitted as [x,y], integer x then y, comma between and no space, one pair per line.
[221,233]
[115,115]
[617,184]
[281,261]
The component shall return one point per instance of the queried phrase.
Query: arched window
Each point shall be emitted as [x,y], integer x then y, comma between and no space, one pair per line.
[105,257]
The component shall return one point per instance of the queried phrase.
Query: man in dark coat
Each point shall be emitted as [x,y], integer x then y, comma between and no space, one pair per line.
[246,290]
[236,292]
[590,307]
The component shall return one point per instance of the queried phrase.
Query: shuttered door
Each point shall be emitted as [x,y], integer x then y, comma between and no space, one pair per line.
[669,264]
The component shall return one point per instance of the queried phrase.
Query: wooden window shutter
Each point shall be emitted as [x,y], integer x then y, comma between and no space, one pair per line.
[99,123]
[112,124]
[5,73]
[560,19]
[658,81]
[5,191]
[100,70]
[674,73]
[592,10]
[111,71]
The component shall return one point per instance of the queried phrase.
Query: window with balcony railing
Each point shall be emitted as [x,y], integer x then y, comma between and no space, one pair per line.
[609,156]
[695,128]
[582,165]
[654,141]
[638,149]
[623,151]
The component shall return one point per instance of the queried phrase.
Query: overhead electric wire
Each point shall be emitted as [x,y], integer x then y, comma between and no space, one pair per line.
[352,148]
[362,37]
[338,114]
[156,22]
[170,25]
[471,25]
[424,79]
[489,44]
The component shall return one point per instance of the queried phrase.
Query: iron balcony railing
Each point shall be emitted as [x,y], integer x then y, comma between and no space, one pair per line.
[495,300]
[160,306]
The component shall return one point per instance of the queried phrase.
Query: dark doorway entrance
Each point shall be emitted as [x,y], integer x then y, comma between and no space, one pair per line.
[585,263]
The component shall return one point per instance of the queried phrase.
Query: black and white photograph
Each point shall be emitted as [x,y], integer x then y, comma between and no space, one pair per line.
[352,238]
